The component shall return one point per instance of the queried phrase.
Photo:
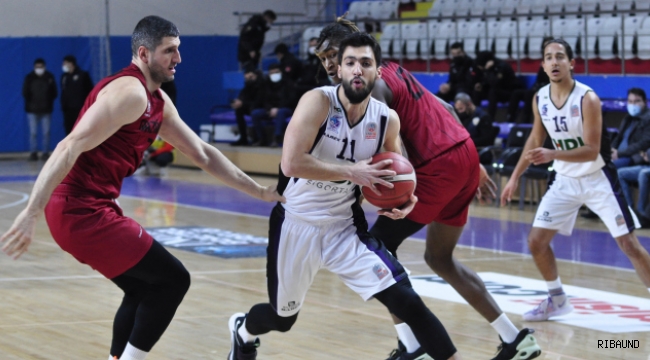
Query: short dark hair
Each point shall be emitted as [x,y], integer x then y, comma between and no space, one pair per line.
[457,45]
[150,31]
[39,61]
[70,59]
[270,14]
[275,66]
[249,67]
[483,57]
[637,91]
[359,40]
[281,48]
[567,47]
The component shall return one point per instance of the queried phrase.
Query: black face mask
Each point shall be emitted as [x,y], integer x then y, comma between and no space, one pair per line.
[458,60]
[464,116]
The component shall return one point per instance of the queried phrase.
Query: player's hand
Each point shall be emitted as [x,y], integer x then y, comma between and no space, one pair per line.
[366,174]
[270,193]
[486,191]
[506,194]
[400,213]
[17,239]
[273,112]
[252,53]
[540,155]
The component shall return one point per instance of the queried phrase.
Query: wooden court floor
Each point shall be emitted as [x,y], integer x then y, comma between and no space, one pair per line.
[52,307]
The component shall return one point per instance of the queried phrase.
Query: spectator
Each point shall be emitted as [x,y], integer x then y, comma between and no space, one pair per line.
[477,122]
[291,66]
[634,133]
[276,102]
[251,37]
[313,74]
[463,74]
[39,91]
[639,174]
[169,87]
[156,158]
[499,81]
[75,87]
[244,103]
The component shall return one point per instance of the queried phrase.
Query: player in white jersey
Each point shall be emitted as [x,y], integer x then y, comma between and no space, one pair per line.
[326,157]
[570,113]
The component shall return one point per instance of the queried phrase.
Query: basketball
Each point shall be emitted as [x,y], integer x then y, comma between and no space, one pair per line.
[403,181]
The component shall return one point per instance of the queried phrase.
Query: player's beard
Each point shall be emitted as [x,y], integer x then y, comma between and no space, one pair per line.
[157,73]
[357,96]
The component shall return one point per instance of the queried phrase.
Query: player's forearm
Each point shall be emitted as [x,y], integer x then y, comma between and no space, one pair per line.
[307,166]
[220,167]
[581,154]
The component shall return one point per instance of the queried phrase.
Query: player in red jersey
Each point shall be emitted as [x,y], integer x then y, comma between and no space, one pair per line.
[448,175]
[78,184]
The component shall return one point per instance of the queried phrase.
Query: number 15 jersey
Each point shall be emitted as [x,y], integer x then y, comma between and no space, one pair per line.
[565,127]
[337,142]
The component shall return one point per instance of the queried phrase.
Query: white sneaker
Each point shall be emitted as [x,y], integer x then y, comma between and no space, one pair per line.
[548,309]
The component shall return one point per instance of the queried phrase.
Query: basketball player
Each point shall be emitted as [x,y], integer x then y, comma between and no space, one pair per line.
[570,113]
[78,186]
[330,139]
[447,170]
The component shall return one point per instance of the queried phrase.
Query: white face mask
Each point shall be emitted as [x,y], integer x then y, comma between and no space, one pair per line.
[39,71]
[275,77]
[65,68]
[312,50]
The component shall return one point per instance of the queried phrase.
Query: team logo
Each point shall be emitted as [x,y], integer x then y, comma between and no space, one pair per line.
[575,111]
[291,305]
[334,124]
[544,109]
[371,131]
[545,217]
[380,271]
[620,220]
[337,109]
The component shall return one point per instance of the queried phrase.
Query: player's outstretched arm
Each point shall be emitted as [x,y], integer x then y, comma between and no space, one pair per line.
[303,128]
[121,102]
[207,157]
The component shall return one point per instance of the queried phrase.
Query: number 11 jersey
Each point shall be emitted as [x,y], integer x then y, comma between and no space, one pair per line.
[565,127]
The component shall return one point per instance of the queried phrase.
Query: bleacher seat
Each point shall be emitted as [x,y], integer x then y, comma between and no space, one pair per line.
[570,7]
[526,28]
[359,10]
[476,7]
[474,37]
[571,30]
[412,34]
[508,7]
[391,46]
[541,29]
[530,7]
[384,10]
[643,40]
[442,8]
[604,31]
[442,34]
[624,5]
[631,25]
[504,38]
[309,33]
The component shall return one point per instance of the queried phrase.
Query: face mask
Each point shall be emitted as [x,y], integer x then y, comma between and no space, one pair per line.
[275,77]
[458,60]
[39,71]
[633,109]
[65,68]
[312,50]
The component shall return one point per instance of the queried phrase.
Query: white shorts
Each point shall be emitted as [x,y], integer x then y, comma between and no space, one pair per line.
[599,191]
[298,249]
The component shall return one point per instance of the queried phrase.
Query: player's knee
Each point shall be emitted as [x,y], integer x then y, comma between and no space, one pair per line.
[437,263]
[284,324]
[181,281]
[536,243]
[630,246]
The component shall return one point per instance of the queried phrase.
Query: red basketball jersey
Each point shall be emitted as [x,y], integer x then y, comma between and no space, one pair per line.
[427,128]
[99,172]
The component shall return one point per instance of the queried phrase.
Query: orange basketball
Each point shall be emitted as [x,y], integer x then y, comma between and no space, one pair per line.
[403,181]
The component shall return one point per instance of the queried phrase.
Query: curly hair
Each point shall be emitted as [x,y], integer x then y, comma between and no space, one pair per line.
[333,34]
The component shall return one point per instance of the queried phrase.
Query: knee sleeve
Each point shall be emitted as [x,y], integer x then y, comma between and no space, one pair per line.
[393,232]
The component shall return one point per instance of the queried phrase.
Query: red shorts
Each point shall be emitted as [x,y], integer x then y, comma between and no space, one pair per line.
[446,186]
[96,233]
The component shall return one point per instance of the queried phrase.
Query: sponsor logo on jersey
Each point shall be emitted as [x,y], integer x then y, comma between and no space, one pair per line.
[371,131]
[337,109]
[291,305]
[150,126]
[575,111]
[620,220]
[380,271]
[545,216]
[329,186]
[334,124]
[568,144]
[544,110]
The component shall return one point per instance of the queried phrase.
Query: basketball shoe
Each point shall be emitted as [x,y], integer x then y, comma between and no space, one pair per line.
[401,354]
[238,349]
[549,308]
[523,348]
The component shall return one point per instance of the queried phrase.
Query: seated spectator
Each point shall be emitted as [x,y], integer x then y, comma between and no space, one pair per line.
[527,95]
[463,74]
[290,65]
[640,175]
[276,102]
[313,74]
[634,132]
[498,83]
[246,100]
[477,122]
[156,158]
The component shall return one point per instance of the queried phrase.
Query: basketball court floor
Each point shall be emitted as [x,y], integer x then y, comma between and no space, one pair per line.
[52,307]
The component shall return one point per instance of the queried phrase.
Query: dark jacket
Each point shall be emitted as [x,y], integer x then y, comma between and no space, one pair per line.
[277,95]
[39,92]
[639,137]
[463,74]
[500,76]
[479,126]
[541,80]
[250,95]
[169,87]
[291,67]
[313,73]
[251,37]
[75,87]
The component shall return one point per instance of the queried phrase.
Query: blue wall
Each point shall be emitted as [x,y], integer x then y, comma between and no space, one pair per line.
[198,78]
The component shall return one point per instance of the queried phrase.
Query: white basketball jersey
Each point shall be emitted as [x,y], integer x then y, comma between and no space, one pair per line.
[564,126]
[340,143]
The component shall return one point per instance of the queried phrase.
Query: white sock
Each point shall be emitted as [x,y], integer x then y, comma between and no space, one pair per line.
[554,285]
[505,328]
[110,357]
[245,335]
[648,289]
[133,353]
[406,336]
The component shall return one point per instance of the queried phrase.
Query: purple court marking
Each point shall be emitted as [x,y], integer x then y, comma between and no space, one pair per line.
[589,246]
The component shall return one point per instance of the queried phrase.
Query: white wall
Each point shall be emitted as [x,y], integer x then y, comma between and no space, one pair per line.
[87,17]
